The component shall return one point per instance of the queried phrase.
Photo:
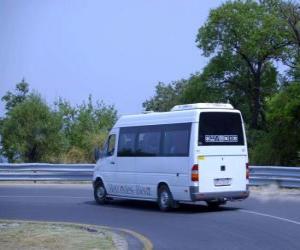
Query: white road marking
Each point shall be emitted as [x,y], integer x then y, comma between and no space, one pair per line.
[43,196]
[271,216]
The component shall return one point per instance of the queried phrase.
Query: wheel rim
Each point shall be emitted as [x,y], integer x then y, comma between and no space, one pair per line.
[164,199]
[100,192]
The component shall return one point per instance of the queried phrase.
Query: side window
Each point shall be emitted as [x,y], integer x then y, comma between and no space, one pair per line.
[155,140]
[111,145]
[148,142]
[110,148]
[126,143]
[176,140]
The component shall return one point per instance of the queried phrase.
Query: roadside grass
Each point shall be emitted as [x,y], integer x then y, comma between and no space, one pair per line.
[50,236]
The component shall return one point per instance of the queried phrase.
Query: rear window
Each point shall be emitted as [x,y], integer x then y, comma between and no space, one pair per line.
[220,128]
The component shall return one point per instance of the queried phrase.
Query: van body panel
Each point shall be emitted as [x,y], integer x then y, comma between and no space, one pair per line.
[174,171]
[222,173]
[124,177]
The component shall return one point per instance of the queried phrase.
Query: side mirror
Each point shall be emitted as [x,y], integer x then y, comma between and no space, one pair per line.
[97,154]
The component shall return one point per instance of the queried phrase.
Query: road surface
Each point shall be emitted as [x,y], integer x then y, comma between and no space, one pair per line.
[259,222]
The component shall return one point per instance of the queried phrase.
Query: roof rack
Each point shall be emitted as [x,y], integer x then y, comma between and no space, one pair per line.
[202,106]
[148,112]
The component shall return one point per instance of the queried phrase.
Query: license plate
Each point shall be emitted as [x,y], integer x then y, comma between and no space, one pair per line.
[222,182]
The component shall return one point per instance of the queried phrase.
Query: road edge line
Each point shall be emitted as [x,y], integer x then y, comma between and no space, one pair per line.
[270,216]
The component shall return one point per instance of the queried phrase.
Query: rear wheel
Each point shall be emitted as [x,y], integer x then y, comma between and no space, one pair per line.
[165,199]
[100,193]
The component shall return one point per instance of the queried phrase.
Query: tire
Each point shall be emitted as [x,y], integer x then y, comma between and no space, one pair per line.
[165,199]
[100,193]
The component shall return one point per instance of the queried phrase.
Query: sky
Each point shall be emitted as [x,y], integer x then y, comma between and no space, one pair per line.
[117,51]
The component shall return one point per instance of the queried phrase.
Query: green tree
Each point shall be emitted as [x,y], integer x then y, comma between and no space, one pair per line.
[197,89]
[166,96]
[85,127]
[245,38]
[289,13]
[280,145]
[227,79]
[31,132]
[20,95]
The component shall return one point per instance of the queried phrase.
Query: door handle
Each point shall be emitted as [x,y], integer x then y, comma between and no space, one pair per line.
[112,162]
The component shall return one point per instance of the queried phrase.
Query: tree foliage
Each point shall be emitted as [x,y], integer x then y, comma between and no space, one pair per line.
[198,89]
[31,132]
[244,38]
[85,127]
[12,99]
[166,96]
[280,145]
[229,80]
[289,13]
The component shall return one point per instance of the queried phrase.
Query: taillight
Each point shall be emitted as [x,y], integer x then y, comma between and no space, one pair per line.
[195,173]
[247,171]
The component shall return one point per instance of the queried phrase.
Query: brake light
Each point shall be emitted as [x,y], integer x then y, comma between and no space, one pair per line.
[247,171]
[195,173]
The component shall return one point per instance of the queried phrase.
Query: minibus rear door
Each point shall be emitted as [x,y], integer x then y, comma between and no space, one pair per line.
[223,152]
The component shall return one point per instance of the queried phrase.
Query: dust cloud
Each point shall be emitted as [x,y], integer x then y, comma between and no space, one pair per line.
[274,192]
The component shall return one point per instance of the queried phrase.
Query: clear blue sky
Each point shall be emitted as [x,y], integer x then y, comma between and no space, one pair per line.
[115,50]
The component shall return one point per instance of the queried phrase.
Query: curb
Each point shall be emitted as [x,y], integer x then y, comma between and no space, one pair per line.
[134,240]
[146,244]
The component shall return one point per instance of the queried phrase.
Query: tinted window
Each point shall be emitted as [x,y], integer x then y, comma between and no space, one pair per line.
[111,145]
[155,140]
[217,128]
[126,145]
[148,143]
[176,140]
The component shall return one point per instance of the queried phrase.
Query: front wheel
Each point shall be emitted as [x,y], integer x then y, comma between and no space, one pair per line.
[165,199]
[100,193]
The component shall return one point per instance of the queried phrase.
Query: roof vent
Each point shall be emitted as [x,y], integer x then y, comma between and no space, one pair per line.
[202,106]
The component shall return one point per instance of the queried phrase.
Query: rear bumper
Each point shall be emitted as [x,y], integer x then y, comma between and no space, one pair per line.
[217,196]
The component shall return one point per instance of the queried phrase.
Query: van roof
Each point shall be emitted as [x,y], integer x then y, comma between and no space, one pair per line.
[184,116]
[157,118]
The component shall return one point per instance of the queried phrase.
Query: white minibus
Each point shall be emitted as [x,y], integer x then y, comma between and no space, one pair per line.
[195,152]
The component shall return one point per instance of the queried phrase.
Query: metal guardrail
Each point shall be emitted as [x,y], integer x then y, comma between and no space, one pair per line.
[259,175]
[281,176]
[46,172]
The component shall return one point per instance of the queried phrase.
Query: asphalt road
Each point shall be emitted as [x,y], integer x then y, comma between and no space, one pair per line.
[257,223]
